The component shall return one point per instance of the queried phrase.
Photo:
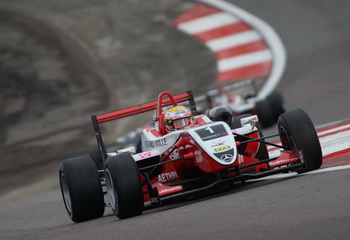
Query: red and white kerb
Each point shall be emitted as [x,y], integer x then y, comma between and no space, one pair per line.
[240,50]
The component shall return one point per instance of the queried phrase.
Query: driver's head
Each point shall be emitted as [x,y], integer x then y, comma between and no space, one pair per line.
[178,117]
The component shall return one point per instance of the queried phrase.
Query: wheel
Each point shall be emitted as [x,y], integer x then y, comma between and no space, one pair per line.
[262,152]
[221,114]
[275,100]
[265,113]
[95,155]
[298,133]
[81,189]
[236,123]
[123,186]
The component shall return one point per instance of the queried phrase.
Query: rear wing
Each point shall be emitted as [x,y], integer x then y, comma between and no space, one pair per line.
[142,108]
[146,107]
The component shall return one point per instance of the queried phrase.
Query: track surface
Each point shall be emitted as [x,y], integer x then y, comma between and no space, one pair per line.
[312,206]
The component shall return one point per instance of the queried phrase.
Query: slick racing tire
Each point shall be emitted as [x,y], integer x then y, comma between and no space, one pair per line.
[276,101]
[236,123]
[262,152]
[123,186]
[95,154]
[265,113]
[298,133]
[81,189]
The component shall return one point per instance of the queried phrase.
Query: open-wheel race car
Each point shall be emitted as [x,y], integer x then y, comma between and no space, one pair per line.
[195,156]
[268,108]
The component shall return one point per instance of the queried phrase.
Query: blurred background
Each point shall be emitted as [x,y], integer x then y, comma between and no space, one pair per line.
[61,62]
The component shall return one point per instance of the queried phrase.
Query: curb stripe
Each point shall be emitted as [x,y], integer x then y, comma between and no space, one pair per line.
[233,40]
[198,11]
[239,49]
[335,143]
[333,129]
[207,23]
[251,71]
[230,29]
[244,60]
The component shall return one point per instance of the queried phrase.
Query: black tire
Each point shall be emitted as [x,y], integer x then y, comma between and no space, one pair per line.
[262,152]
[276,102]
[96,155]
[298,133]
[81,189]
[236,123]
[265,113]
[123,186]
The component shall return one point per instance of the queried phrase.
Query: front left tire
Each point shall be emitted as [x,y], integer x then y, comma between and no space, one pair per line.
[81,189]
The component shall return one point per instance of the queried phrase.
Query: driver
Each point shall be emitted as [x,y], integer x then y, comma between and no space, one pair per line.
[178,117]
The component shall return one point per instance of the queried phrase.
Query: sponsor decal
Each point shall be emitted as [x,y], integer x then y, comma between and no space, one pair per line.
[174,155]
[217,135]
[198,156]
[282,161]
[145,154]
[170,190]
[240,159]
[212,132]
[169,176]
[226,157]
[157,143]
[217,143]
[221,148]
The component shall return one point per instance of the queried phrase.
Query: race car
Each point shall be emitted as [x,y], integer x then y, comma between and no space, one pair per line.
[246,102]
[189,159]
[267,109]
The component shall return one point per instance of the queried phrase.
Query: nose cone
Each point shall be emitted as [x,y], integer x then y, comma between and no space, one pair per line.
[217,140]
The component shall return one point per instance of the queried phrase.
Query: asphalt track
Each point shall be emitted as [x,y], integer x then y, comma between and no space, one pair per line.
[310,206]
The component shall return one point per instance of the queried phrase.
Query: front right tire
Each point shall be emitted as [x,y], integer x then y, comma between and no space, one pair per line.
[298,134]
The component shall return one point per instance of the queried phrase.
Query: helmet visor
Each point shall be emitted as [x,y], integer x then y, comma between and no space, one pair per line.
[181,123]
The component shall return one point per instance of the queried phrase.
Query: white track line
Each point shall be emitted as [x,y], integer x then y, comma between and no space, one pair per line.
[293,174]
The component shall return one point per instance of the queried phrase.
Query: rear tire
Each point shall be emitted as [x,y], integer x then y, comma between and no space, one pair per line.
[96,155]
[81,189]
[275,100]
[265,113]
[298,133]
[123,186]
